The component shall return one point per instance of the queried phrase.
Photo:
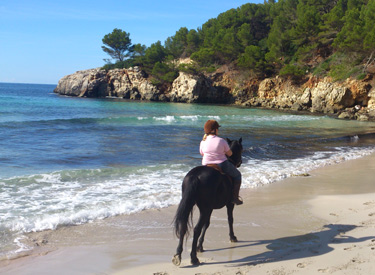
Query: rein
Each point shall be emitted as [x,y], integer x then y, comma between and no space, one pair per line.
[232,161]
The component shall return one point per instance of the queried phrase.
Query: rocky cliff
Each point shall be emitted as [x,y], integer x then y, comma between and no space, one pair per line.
[132,83]
[351,99]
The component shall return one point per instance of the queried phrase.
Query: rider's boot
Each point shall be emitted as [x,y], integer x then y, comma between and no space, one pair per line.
[236,198]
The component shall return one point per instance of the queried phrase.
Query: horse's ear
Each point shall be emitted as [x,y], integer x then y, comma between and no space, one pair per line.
[240,141]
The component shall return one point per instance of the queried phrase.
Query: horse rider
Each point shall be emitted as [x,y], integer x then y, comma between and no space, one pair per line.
[215,150]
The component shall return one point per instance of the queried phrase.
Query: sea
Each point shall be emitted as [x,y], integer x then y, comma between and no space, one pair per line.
[70,161]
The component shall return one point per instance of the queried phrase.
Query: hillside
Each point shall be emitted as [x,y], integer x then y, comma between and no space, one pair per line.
[310,55]
[292,38]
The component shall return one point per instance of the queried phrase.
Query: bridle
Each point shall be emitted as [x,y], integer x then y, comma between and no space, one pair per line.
[231,160]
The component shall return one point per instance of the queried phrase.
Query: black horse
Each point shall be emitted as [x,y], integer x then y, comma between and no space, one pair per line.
[208,189]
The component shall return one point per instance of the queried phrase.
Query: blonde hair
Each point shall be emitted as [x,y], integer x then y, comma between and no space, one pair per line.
[204,137]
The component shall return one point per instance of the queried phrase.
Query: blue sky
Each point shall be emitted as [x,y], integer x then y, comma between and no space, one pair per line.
[42,41]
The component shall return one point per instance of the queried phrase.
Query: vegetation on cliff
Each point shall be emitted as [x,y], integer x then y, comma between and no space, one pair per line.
[288,37]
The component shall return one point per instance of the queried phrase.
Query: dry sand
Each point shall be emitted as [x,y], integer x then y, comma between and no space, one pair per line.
[324,223]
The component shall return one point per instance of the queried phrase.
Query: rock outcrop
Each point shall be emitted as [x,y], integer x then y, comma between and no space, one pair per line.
[133,84]
[88,83]
[193,88]
[125,83]
[351,99]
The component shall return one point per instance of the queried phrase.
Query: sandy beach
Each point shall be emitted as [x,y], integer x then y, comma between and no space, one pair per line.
[321,223]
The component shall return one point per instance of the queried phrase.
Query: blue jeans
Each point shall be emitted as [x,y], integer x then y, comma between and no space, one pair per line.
[231,170]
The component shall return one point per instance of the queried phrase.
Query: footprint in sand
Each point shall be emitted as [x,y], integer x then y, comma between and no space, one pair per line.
[350,248]
[325,270]
[359,261]
[369,203]
[372,244]
[301,265]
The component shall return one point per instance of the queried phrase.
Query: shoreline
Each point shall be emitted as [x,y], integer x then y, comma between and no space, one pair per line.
[289,226]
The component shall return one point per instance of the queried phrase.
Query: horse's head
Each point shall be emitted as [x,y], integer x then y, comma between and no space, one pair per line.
[236,147]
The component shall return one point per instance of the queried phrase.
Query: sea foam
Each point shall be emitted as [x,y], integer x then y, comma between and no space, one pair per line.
[257,173]
[63,198]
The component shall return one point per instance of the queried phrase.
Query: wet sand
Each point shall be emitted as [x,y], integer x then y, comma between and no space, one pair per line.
[323,223]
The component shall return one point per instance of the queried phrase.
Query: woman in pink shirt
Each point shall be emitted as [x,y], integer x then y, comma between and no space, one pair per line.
[215,150]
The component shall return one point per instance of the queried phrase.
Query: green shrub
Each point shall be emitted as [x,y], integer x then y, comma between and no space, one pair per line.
[163,73]
[361,76]
[323,68]
[339,72]
[204,57]
[119,65]
[209,69]
[345,65]
[292,70]
[188,68]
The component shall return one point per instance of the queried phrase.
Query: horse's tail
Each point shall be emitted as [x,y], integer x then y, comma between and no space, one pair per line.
[185,208]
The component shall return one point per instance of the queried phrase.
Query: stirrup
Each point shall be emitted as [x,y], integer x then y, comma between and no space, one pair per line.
[237,201]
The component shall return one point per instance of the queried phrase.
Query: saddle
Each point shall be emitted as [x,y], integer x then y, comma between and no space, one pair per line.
[217,167]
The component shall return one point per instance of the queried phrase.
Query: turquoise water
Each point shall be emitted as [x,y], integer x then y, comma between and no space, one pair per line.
[68,160]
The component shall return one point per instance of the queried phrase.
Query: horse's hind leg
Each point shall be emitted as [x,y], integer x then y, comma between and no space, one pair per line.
[201,239]
[176,260]
[232,237]
[204,216]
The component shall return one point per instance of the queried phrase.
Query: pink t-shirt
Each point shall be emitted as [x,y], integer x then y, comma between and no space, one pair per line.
[213,150]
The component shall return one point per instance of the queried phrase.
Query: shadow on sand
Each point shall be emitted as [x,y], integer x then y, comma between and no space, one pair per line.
[295,247]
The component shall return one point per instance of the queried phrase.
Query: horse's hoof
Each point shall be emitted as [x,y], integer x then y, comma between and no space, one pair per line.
[200,249]
[195,261]
[176,260]
[233,239]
